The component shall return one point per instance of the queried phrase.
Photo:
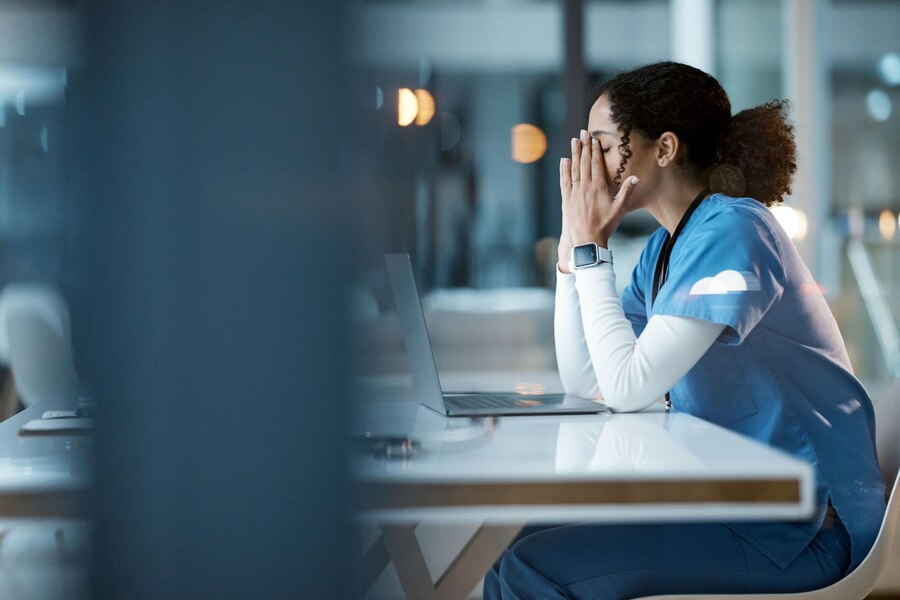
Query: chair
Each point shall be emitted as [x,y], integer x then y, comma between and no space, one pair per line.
[860,582]
[35,342]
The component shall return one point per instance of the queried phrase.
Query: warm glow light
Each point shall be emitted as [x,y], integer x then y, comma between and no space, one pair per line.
[426,107]
[792,219]
[407,106]
[530,389]
[887,225]
[528,143]
[801,225]
[811,287]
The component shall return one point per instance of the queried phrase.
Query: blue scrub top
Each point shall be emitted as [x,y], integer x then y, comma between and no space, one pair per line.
[779,373]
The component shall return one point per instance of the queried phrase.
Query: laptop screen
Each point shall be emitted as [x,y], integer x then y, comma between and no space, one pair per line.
[415,333]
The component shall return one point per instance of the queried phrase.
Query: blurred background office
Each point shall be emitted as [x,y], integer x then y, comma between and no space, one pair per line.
[475,102]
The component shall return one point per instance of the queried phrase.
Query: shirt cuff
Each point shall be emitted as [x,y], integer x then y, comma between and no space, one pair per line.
[602,271]
[560,274]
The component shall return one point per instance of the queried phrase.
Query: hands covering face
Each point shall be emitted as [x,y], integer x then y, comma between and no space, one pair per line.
[590,213]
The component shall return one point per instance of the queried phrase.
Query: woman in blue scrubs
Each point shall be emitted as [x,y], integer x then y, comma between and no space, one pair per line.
[721,284]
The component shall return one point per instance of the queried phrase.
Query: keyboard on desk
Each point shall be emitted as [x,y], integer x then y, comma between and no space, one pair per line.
[499,400]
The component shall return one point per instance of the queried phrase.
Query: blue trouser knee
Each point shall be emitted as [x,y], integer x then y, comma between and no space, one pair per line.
[618,562]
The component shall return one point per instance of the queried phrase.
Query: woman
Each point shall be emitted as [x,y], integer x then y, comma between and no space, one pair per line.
[728,321]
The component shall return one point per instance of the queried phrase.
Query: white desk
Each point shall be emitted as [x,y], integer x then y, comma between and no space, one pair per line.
[43,476]
[651,466]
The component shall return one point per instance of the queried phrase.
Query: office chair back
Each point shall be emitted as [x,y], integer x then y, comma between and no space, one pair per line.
[887,432]
[858,584]
[35,342]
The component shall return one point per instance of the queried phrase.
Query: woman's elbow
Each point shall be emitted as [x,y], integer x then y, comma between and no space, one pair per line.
[627,389]
[627,401]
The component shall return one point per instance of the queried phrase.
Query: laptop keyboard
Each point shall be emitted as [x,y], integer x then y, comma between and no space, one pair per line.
[484,401]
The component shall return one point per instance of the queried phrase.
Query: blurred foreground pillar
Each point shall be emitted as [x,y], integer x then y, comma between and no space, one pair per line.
[212,207]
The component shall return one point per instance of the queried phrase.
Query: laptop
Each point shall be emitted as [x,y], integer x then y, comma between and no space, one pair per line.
[424,369]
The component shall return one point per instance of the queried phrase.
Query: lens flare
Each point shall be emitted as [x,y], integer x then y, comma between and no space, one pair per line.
[887,225]
[407,106]
[528,143]
[426,107]
[879,105]
[792,220]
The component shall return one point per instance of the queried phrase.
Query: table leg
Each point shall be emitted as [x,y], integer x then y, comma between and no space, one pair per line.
[374,562]
[398,543]
[403,547]
[473,561]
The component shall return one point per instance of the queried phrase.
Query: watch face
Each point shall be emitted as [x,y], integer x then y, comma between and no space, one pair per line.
[586,254]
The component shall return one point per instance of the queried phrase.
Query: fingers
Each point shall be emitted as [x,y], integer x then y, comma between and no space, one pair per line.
[598,168]
[626,189]
[576,159]
[565,177]
[585,155]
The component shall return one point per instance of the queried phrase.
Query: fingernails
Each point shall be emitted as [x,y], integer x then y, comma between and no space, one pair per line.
[584,135]
[634,180]
[574,142]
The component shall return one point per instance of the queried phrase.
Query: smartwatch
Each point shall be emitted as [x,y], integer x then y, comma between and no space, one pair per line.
[590,255]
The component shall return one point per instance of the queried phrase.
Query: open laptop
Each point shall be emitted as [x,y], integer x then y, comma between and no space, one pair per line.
[424,369]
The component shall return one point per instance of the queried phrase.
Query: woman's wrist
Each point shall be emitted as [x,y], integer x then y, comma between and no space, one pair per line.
[602,241]
[564,255]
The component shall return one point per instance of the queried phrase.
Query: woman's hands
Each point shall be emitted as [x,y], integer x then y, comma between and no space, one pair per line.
[590,214]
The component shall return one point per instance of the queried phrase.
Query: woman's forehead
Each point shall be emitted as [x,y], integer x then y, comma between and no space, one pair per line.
[599,120]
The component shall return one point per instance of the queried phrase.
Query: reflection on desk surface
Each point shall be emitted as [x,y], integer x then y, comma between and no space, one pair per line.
[625,444]
[654,444]
[44,476]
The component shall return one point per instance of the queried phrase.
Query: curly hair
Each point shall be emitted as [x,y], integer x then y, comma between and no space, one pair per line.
[752,153]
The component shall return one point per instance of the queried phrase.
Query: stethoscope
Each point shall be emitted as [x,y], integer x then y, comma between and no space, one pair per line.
[662,262]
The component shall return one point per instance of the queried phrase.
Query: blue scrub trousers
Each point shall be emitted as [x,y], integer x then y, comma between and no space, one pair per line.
[619,562]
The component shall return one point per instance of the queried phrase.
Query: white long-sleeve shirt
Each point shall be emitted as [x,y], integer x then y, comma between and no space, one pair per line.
[598,353]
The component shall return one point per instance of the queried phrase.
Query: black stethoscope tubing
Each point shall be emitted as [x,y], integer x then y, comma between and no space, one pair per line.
[662,262]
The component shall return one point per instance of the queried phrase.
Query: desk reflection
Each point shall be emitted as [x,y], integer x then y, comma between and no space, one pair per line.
[623,444]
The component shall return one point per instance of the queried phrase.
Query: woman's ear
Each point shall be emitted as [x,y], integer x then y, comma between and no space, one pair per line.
[667,146]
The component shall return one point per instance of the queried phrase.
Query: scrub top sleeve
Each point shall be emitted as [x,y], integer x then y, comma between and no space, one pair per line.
[727,271]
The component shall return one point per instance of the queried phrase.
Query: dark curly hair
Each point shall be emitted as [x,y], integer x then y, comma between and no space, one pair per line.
[752,153]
